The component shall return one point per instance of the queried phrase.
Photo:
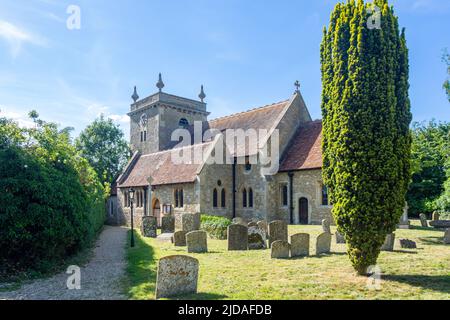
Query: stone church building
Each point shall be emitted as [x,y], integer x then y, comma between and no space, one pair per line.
[240,188]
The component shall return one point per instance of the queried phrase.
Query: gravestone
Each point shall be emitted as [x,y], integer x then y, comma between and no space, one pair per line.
[263,225]
[326,226]
[280,250]
[278,230]
[256,239]
[408,244]
[340,239]
[149,226]
[404,220]
[300,245]
[323,243]
[436,216]
[440,224]
[179,238]
[252,224]
[447,236]
[190,222]
[239,220]
[176,275]
[168,224]
[196,242]
[389,243]
[237,237]
[423,220]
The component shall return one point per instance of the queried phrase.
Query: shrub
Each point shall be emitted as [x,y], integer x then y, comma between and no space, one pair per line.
[215,226]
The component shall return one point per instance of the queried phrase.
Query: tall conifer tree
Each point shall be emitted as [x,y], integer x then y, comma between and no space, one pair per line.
[366,118]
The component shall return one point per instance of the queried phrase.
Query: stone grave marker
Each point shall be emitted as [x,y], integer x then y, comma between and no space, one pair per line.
[237,237]
[280,250]
[196,241]
[300,245]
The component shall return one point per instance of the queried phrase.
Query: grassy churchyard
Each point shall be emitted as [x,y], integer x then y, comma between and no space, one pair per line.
[422,273]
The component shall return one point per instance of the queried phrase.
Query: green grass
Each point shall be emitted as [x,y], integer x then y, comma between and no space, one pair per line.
[422,273]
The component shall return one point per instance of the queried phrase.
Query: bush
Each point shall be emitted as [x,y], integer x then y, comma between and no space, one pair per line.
[215,226]
[52,203]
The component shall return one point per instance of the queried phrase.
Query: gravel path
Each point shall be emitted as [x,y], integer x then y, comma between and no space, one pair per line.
[100,278]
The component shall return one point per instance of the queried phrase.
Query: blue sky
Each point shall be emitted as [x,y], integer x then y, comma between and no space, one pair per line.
[246,53]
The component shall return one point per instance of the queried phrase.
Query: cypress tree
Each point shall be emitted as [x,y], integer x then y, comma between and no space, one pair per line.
[366,118]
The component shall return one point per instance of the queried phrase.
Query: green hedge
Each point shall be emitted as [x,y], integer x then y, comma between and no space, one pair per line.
[215,226]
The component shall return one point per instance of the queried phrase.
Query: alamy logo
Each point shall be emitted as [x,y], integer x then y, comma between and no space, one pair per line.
[374,279]
[374,21]
[73,22]
[74,280]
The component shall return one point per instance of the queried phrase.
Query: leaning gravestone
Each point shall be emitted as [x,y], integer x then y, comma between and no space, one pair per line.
[447,236]
[237,237]
[323,243]
[168,224]
[408,244]
[196,242]
[179,238]
[423,220]
[262,225]
[149,226]
[389,243]
[326,226]
[176,275]
[256,238]
[340,239]
[280,250]
[277,231]
[300,245]
[436,216]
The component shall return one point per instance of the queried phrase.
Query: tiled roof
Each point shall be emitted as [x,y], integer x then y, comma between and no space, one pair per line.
[163,169]
[305,149]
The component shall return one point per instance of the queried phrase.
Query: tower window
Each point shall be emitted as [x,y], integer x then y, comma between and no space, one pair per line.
[223,199]
[244,198]
[248,165]
[215,198]
[250,198]
[183,123]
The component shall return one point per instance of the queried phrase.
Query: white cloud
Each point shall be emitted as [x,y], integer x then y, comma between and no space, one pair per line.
[22,119]
[16,37]
[123,119]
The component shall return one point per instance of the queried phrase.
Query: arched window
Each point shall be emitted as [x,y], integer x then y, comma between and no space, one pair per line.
[248,165]
[250,198]
[223,199]
[181,198]
[284,195]
[176,195]
[244,198]
[183,123]
[125,199]
[215,198]
[325,201]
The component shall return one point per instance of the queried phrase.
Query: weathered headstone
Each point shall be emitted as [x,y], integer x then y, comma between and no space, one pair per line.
[149,226]
[278,230]
[196,241]
[168,224]
[280,250]
[165,237]
[176,275]
[440,224]
[447,236]
[389,243]
[423,220]
[323,243]
[179,238]
[252,224]
[340,239]
[239,220]
[300,245]
[237,237]
[256,238]
[190,222]
[436,216]
[404,220]
[326,226]
[408,244]
[263,225]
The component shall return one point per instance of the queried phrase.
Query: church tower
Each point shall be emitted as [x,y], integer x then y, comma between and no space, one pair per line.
[153,119]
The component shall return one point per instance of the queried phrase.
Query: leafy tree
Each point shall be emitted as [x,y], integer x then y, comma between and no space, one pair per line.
[366,118]
[102,143]
[430,151]
[52,200]
[446,60]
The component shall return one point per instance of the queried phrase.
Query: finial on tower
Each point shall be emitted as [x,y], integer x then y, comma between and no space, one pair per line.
[135,96]
[202,94]
[160,84]
[297,86]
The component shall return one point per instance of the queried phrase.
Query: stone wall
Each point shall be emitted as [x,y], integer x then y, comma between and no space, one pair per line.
[152,143]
